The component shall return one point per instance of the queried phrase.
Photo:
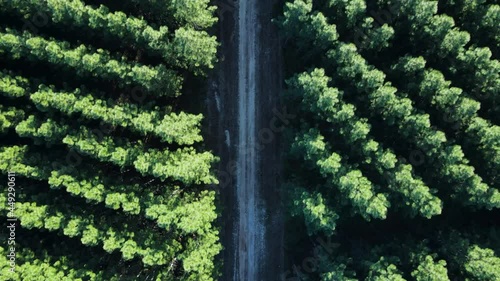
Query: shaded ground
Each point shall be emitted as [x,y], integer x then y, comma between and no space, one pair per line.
[272,119]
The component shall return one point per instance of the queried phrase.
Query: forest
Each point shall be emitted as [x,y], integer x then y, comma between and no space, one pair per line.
[395,158]
[389,169]
[113,181]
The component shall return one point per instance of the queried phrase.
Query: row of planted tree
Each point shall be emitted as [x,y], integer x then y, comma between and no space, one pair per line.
[399,122]
[124,180]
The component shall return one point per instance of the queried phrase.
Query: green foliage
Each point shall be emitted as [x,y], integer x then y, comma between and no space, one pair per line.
[318,216]
[49,132]
[82,183]
[352,22]
[88,62]
[9,118]
[414,126]
[353,11]
[328,105]
[431,85]
[482,264]
[406,93]
[478,17]
[13,86]
[192,13]
[194,49]
[384,270]
[31,268]
[338,271]
[111,174]
[312,28]
[184,164]
[472,67]
[79,223]
[180,128]
[180,51]
[429,270]
[355,188]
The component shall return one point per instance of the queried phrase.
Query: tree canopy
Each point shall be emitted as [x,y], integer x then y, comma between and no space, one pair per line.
[113,181]
[394,156]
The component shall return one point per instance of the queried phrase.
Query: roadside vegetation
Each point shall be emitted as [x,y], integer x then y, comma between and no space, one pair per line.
[113,181]
[395,156]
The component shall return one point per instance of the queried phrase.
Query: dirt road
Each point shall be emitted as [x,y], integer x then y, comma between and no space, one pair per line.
[260,230]
[242,105]
[250,221]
